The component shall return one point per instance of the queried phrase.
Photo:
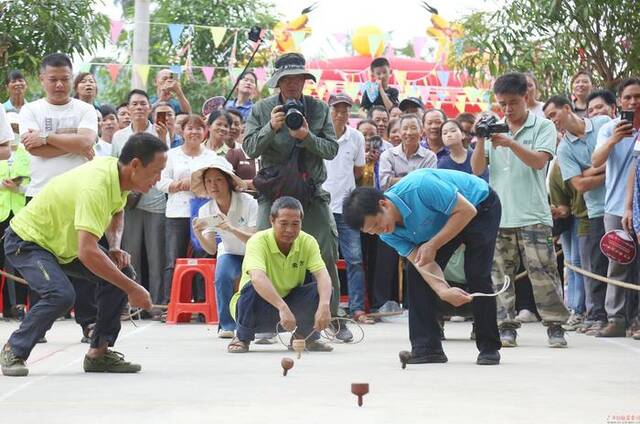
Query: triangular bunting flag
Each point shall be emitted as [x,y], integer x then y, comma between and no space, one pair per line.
[143,72]
[217,33]
[85,67]
[234,73]
[298,38]
[175,31]
[437,104]
[443,76]
[176,69]
[418,44]
[208,72]
[400,76]
[116,29]
[352,89]
[374,44]
[471,93]
[114,70]
[424,91]
[321,91]
[441,95]
[261,73]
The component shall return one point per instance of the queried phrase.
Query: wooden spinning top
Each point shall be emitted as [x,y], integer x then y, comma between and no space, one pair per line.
[298,346]
[404,355]
[287,364]
[359,389]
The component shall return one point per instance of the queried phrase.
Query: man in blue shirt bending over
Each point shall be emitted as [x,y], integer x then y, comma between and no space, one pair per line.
[425,217]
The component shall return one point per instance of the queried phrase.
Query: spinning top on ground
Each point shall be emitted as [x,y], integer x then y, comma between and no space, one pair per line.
[359,389]
[287,364]
[404,355]
[298,346]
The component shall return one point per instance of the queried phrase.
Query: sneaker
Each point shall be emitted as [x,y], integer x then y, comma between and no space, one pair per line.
[87,333]
[225,334]
[508,337]
[428,358]
[612,329]
[574,321]
[556,336]
[488,358]
[12,366]
[111,361]
[266,339]
[526,315]
[317,346]
[344,335]
[633,328]
[636,335]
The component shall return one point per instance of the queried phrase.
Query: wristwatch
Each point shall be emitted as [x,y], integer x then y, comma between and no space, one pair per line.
[44,138]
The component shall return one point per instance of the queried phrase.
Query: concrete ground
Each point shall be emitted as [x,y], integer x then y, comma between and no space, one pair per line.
[189,377]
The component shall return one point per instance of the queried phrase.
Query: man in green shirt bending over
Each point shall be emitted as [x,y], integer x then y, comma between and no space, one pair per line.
[56,235]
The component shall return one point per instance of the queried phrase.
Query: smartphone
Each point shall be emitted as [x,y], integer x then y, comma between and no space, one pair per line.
[161,117]
[212,221]
[627,115]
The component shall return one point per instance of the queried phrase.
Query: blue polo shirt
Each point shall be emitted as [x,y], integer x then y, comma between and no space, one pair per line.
[245,109]
[618,168]
[574,156]
[174,103]
[425,198]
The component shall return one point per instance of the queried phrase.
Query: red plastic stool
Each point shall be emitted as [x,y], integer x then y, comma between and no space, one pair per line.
[180,305]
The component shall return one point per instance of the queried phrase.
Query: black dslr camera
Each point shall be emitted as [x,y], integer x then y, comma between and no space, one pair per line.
[489,125]
[293,114]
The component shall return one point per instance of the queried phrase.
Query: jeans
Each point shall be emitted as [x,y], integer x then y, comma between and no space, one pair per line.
[479,237]
[349,242]
[176,246]
[142,226]
[575,282]
[228,270]
[50,280]
[256,315]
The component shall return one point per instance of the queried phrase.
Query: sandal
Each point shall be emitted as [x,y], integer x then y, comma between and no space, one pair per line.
[238,346]
[363,318]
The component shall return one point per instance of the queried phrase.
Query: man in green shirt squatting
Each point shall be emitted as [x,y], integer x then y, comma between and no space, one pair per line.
[272,285]
[56,236]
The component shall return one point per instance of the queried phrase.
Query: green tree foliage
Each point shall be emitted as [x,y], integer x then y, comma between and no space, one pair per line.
[554,39]
[240,14]
[30,29]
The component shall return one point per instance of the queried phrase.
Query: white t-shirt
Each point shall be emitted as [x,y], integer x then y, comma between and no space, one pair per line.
[340,179]
[55,119]
[179,166]
[243,214]
[6,133]
[122,136]
[102,148]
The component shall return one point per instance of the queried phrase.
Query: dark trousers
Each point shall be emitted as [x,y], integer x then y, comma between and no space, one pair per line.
[479,237]
[385,280]
[50,280]
[177,238]
[594,261]
[256,315]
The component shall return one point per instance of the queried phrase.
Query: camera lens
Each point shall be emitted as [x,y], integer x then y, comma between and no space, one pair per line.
[294,119]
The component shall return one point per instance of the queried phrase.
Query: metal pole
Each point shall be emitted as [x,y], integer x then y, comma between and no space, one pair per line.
[140,41]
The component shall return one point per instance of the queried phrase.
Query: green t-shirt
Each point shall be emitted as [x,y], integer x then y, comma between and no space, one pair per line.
[522,189]
[285,272]
[84,198]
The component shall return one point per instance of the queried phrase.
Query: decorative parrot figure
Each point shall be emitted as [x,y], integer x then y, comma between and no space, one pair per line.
[283,31]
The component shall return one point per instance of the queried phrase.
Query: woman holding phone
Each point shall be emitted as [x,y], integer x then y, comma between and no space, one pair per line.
[231,215]
[175,180]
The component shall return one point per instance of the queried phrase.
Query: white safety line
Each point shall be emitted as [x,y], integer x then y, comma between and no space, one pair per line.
[31,381]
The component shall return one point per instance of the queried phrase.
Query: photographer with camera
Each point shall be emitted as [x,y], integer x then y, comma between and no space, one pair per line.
[519,153]
[292,134]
